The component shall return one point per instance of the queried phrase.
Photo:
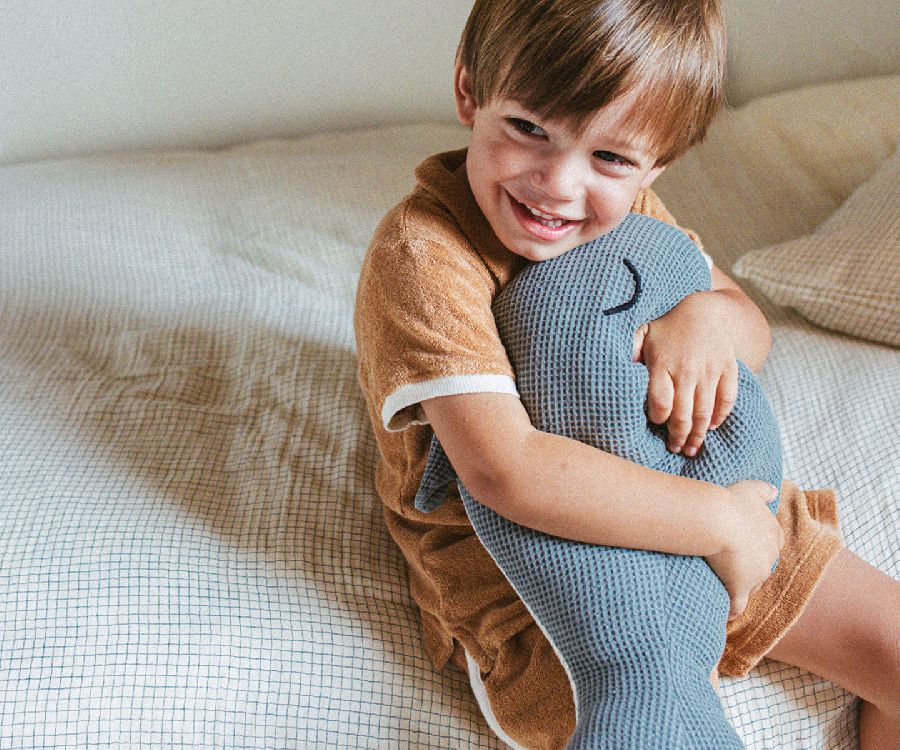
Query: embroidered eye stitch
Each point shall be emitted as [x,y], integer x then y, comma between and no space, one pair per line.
[634,297]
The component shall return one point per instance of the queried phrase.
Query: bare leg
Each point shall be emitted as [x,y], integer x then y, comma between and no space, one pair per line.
[849,633]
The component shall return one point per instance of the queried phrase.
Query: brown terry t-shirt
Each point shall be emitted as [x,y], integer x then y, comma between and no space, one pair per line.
[425,328]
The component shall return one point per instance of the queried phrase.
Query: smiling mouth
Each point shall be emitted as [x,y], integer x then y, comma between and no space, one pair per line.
[540,220]
[548,220]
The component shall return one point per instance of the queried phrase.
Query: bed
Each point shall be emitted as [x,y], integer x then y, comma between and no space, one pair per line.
[191,550]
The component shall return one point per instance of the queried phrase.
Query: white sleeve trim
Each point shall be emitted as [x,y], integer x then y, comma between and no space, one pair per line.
[707,258]
[413,394]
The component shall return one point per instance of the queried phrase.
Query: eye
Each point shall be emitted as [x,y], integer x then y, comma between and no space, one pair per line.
[611,158]
[525,126]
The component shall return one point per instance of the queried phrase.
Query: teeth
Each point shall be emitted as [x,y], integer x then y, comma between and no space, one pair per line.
[545,219]
[541,213]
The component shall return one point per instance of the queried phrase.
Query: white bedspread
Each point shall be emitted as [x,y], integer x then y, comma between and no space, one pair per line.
[191,550]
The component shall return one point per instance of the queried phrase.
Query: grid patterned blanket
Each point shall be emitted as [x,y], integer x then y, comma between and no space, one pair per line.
[191,552]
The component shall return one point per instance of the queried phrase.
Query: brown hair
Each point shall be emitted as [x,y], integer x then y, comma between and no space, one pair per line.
[565,59]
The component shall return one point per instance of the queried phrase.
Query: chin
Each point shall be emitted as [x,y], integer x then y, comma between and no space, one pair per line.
[540,253]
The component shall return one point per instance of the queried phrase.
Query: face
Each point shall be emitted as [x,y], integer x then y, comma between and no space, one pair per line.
[544,189]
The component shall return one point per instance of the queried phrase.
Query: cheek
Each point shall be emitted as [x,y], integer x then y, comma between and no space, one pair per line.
[503,160]
[611,203]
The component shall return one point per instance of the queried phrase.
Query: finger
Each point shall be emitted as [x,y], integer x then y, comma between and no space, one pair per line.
[704,401]
[660,393]
[680,420]
[638,348]
[726,395]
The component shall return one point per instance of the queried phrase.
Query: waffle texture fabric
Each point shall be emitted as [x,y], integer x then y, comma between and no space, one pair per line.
[637,632]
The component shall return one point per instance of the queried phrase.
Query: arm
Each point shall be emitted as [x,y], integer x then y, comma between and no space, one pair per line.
[692,352]
[572,490]
[581,493]
[751,336]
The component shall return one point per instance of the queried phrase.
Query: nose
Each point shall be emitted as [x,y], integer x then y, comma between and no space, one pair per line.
[558,176]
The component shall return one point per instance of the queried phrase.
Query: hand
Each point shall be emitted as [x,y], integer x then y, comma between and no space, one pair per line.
[753,541]
[693,370]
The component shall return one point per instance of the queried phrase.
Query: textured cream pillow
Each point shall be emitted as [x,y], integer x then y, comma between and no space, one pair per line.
[846,274]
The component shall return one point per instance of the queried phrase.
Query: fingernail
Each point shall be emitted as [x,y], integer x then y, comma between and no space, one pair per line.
[690,451]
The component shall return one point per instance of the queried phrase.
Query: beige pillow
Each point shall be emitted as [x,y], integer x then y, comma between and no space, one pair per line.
[846,274]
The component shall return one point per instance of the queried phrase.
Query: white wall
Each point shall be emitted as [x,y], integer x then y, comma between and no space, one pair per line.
[99,75]
[112,74]
[777,45]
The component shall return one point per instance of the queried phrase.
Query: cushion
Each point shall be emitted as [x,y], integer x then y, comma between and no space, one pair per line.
[844,275]
[776,168]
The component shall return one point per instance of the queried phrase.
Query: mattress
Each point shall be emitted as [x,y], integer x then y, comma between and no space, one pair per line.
[192,553]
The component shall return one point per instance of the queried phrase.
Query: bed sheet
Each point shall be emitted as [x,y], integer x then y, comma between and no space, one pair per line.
[191,550]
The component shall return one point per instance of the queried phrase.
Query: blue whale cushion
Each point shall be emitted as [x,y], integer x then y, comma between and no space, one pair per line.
[637,632]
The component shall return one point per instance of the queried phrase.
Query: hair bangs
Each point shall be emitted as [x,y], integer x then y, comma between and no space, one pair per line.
[566,59]
[670,113]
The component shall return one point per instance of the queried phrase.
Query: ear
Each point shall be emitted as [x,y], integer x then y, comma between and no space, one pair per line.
[651,176]
[465,99]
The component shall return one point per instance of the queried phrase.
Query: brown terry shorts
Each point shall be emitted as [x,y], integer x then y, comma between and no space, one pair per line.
[470,610]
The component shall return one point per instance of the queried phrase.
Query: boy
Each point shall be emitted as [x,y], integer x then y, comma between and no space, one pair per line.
[575,107]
